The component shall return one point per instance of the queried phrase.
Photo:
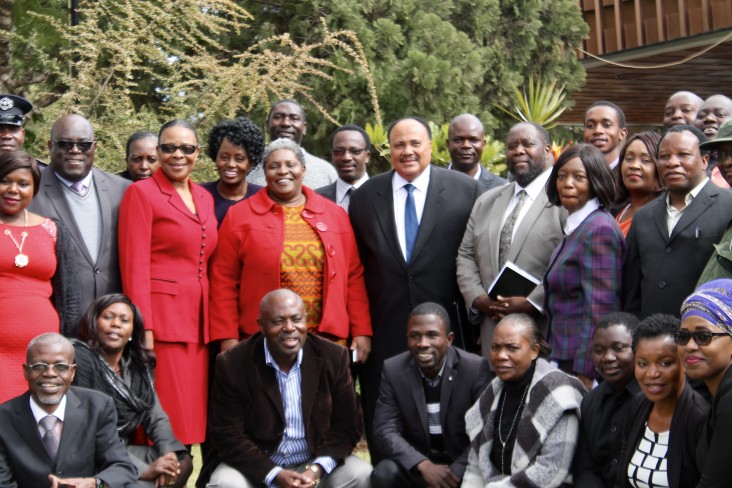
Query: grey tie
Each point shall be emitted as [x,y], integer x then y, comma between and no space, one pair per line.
[50,439]
[507,232]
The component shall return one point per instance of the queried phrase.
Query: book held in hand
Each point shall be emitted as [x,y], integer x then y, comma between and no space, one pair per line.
[512,281]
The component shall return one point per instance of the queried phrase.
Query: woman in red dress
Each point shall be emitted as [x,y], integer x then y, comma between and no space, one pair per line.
[38,291]
[167,233]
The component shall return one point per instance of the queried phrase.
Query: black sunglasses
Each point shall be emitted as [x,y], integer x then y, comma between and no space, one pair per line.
[186,149]
[701,337]
[42,367]
[68,145]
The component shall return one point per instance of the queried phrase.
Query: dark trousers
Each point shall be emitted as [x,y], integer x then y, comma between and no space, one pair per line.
[389,474]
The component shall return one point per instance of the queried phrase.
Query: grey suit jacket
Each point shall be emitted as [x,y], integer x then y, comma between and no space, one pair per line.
[660,271]
[95,278]
[328,191]
[401,430]
[536,238]
[89,445]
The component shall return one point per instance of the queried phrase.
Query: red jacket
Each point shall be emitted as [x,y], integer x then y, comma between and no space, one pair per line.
[164,251]
[247,266]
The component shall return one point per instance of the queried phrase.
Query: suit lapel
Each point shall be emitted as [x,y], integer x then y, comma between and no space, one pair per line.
[697,207]
[414,380]
[74,419]
[449,376]
[25,424]
[433,206]
[268,380]
[311,372]
[105,205]
[56,197]
[659,216]
[496,224]
[383,210]
[166,187]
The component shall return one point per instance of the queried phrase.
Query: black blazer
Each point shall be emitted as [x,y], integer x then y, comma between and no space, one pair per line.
[401,431]
[661,271]
[488,180]
[89,446]
[395,288]
[712,454]
[686,431]
[328,191]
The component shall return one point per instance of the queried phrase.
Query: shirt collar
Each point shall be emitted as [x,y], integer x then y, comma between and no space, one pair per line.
[87,180]
[575,219]
[269,360]
[421,182]
[691,195]
[614,164]
[39,413]
[536,186]
[477,174]
[342,187]
[436,380]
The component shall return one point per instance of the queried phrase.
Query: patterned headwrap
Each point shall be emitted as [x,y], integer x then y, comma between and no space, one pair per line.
[713,302]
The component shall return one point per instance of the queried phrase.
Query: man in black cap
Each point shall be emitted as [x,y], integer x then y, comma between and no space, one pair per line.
[12,115]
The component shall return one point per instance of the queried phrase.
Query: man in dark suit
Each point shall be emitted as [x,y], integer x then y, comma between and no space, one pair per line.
[671,238]
[284,411]
[516,223]
[349,153]
[86,200]
[54,435]
[465,142]
[408,225]
[419,424]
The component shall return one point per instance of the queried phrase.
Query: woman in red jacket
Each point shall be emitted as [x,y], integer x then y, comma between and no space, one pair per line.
[287,236]
[167,233]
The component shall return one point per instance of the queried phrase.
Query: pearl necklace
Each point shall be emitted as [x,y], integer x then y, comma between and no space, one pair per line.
[513,424]
[21,260]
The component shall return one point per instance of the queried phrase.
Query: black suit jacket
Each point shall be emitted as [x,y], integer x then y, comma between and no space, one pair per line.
[89,445]
[95,278]
[247,420]
[395,288]
[687,425]
[661,271]
[401,431]
[488,180]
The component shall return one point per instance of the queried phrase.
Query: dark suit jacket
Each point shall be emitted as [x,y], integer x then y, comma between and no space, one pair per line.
[661,271]
[401,431]
[488,180]
[247,419]
[95,278]
[89,446]
[395,288]
[328,191]
[687,424]
[712,454]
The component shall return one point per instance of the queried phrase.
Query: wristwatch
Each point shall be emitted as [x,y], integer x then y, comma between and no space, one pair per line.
[315,468]
[100,483]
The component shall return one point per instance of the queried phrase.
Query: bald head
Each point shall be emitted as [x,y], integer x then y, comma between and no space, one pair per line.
[681,108]
[465,142]
[276,297]
[75,120]
[72,147]
[49,339]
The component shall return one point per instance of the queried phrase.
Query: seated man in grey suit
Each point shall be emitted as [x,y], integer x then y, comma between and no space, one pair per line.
[57,436]
[419,424]
[284,411]
[349,153]
[86,200]
[465,142]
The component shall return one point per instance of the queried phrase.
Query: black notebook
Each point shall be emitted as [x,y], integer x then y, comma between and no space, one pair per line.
[512,281]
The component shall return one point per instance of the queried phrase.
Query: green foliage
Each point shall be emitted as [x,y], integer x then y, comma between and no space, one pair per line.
[542,103]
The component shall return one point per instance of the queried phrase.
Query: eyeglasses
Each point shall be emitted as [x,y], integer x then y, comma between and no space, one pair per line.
[68,145]
[701,337]
[43,367]
[340,152]
[186,149]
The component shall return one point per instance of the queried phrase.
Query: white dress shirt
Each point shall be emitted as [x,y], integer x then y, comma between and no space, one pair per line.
[576,218]
[420,184]
[342,197]
[533,190]
[39,413]
[673,215]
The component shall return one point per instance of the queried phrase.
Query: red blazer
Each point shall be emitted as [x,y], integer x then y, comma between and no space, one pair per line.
[164,251]
[247,267]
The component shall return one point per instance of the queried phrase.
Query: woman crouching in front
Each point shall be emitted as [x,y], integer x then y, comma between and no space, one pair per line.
[523,430]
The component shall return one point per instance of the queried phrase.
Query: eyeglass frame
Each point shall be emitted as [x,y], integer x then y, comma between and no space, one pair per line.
[352,150]
[81,145]
[696,336]
[33,367]
[164,148]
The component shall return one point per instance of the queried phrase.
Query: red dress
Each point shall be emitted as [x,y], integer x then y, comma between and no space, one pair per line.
[25,299]
[164,250]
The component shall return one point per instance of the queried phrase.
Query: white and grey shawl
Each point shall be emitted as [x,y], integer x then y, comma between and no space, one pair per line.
[546,437]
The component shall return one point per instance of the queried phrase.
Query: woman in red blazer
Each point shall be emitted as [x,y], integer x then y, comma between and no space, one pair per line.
[167,233]
[287,236]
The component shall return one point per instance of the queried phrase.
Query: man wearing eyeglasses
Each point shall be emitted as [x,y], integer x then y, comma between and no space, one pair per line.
[350,151]
[86,199]
[57,436]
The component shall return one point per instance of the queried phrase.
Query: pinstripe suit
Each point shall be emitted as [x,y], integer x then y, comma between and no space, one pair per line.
[581,284]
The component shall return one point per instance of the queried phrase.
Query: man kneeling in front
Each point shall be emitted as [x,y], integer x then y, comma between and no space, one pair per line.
[283,411]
